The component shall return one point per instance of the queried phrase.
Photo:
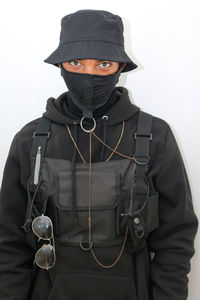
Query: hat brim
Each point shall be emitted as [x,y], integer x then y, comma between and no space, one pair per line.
[90,50]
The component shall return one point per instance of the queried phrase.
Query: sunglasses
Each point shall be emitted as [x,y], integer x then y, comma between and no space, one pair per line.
[45,257]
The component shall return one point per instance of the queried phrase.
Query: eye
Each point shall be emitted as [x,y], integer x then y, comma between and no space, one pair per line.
[105,65]
[74,63]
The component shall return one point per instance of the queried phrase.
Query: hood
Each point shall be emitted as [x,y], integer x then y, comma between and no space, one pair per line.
[57,110]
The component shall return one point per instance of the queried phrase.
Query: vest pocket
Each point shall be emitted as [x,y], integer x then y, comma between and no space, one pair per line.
[104,206]
[90,286]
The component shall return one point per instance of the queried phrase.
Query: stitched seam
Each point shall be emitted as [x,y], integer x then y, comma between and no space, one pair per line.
[116,45]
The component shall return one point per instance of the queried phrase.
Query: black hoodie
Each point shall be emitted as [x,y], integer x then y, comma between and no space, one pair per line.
[172,243]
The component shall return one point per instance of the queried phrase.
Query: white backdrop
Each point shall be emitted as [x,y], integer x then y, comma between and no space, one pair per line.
[162,37]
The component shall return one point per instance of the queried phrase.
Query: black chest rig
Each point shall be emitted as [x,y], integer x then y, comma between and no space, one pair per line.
[51,194]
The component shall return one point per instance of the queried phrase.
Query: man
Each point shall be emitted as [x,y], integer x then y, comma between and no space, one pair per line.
[95,201]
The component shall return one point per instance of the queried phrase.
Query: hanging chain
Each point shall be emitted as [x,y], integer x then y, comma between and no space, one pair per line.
[126,231]
[90,190]
[75,144]
[121,154]
[122,132]
[113,150]
[90,193]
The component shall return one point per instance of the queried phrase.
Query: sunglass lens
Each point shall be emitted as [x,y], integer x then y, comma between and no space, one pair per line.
[45,257]
[43,228]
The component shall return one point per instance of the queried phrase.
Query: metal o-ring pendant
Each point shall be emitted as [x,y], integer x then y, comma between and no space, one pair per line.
[86,248]
[88,130]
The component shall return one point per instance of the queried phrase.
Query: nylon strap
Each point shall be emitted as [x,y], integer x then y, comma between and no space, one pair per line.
[40,139]
[136,219]
[143,136]
[41,136]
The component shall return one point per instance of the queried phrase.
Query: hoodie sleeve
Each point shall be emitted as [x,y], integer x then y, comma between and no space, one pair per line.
[173,242]
[16,257]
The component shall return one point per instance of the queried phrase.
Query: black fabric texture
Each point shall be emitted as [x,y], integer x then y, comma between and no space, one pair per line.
[59,112]
[172,243]
[91,34]
[75,110]
[89,92]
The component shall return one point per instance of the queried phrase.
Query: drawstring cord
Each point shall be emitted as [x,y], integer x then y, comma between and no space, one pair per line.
[90,194]
[113,150]
[74,202]
[104,118]
[75,145]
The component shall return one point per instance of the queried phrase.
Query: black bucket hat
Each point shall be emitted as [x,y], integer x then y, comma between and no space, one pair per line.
[91,34]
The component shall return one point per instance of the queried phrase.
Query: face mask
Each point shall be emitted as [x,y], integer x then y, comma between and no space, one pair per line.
[89,92]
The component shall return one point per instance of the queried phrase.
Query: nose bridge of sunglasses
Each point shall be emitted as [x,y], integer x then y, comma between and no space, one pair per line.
[42,227]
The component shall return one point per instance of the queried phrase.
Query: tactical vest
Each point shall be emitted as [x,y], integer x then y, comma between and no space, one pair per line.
[50,193]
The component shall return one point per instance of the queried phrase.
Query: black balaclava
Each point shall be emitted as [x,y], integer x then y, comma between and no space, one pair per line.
[90,92]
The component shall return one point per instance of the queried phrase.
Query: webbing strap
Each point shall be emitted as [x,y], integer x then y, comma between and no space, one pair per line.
[41,136]
[136,220]
[143,136]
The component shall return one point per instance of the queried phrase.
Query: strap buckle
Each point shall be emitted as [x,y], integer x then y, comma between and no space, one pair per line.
[144,160]
[143,135]
[41,134]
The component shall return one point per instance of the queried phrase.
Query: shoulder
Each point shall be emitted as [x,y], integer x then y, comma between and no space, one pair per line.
[29,128]
[24,136]
[162,135]
[160,127]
